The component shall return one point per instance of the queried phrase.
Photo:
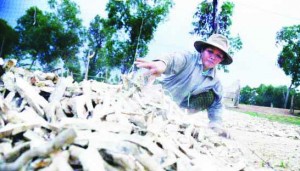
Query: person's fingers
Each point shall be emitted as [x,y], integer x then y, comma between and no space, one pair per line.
[151,66]
[144,65]
[225,134]
[140,60]
[137,63]
[222,132]
[140,63]
[155,72]
[151,72]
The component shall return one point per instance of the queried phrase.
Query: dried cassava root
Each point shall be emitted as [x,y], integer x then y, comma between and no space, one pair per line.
[53,123]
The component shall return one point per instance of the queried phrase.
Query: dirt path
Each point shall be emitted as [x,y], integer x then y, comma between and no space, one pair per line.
[264,145]
[264,141]
[261,109]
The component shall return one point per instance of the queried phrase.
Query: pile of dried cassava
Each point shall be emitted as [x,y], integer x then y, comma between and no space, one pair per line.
[53,123]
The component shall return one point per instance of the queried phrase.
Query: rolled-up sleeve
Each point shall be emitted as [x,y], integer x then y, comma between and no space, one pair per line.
[175,62]
[216,109]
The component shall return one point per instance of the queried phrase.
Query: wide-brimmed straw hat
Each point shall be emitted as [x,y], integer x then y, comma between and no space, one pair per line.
[218,41]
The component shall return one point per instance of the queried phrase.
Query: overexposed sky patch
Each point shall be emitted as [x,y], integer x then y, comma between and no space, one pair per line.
[255,21]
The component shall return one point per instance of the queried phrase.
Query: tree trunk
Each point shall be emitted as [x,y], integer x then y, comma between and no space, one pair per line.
[215,9]
[292,105]
[32,63]
[90,65]
[2,45]
[287,96]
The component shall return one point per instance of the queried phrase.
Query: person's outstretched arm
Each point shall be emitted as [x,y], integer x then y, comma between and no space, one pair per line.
[155,68]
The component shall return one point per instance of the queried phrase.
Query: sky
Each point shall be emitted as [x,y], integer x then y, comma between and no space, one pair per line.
[256,21]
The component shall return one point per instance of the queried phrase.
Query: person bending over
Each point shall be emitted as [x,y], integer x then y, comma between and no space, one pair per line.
[192,80]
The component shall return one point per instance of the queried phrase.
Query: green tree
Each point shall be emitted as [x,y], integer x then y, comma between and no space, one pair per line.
[8,38]
[264,95]
[134,23]
[297,101]
[267,95]
[261,97]
[278,96]
[289,57]
[38,38]
[247,95]
[209,21]
[51,38]
[72,37]
[99,36]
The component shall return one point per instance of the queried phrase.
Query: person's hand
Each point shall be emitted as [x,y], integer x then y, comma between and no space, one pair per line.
[155,68]
[219,129]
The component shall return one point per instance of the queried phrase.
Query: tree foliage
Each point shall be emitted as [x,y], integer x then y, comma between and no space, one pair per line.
[8,38]
[134,23]
[47,38]
[208,21]
[38,36]
[265,95]
[56,37]
[289,57]
[247,95]
[71,37]
[99,38]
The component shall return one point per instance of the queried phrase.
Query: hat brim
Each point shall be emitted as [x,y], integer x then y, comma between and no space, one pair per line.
[199,45]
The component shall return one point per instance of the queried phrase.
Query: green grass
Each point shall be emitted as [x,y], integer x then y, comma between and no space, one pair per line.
[278,118]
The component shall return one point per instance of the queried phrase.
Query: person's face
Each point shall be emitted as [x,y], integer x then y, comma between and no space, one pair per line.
[211,57]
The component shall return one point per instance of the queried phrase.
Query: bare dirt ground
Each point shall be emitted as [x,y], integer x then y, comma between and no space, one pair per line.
[261,109]
[266,144]
[257,143]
